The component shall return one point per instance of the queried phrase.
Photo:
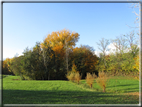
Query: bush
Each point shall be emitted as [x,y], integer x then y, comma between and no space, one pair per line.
[77,77]
[90,79]
[70,76]
[102,80]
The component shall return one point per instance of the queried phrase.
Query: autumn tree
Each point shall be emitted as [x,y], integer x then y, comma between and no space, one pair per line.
[137,67]
[59,53]
[64,38]
[85,59]
[90,79]
[71,74]
[102,80]
[77,77]
[6,67]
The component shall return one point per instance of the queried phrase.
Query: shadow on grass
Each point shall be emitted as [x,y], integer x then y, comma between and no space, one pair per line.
[65,97]
[123,85]
[3,76]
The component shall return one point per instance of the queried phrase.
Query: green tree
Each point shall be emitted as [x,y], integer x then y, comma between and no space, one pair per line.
[85,59]
[103,47]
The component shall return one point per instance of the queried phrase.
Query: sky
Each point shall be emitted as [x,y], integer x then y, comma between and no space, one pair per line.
[24,24]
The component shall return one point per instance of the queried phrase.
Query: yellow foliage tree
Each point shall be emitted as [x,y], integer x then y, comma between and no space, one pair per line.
[77,77]
[62,38]
[71,75]
[90,79]
[74,68]
[102,80]
[136,66]
[59,51]
[6,65]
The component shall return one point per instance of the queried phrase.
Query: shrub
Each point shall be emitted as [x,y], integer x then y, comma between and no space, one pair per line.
[77,77]
[90,79]
[70,76]
[102,80]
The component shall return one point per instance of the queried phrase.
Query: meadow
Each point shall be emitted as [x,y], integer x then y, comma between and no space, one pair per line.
[119,90]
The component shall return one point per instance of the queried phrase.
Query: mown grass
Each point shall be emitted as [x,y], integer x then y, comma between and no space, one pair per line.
[66,92]
[117,85]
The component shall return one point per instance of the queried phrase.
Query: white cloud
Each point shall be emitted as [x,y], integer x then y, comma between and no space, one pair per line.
[111,48]
[10,53]
[97,53]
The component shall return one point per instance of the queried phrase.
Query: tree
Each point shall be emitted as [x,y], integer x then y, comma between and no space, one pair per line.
[85,59]
[64,38]
[77,77]
[16,66]
[102,80]
[6,67]
[38,62]
[103,43]
[132,43]
[136,66]
[137,20]
[90,79]
[121,46]
[59,53]
[47,57]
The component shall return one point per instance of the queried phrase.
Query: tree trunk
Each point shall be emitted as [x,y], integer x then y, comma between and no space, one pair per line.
[91,85]
[48,75]
[67,58]
[66,55]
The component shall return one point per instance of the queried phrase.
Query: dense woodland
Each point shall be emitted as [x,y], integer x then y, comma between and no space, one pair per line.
[57,55]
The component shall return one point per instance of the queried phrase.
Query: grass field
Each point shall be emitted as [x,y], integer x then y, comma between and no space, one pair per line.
[120,90]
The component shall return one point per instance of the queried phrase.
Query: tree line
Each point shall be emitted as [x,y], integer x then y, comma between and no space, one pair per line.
[56,55]
[53,58]
[125,57]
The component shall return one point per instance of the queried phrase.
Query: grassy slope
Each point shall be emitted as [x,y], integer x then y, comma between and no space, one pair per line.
[65,92]
[117,85]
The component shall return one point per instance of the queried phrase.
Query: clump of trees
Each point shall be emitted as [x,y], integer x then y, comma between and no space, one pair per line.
[123,60]
[53,58]
[57,56]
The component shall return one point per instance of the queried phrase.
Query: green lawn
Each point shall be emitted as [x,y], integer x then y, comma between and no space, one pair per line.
[65,92]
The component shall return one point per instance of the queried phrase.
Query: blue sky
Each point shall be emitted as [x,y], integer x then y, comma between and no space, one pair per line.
[26,23]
